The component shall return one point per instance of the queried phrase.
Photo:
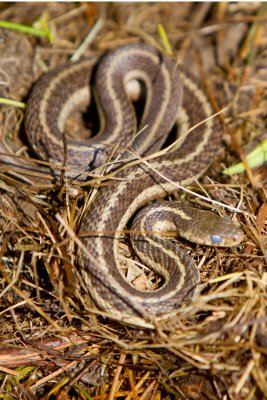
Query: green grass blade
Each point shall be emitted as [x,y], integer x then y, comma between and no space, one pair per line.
[13,103]
[26,29]
[255,158]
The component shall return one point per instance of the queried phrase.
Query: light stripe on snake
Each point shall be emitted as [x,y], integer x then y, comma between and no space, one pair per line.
[168,90]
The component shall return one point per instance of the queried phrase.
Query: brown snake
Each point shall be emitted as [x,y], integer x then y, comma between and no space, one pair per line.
[167,90]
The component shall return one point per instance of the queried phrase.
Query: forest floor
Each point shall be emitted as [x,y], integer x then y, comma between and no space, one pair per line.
[53,345]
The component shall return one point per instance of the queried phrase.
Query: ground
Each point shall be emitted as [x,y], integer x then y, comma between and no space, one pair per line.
[54,346]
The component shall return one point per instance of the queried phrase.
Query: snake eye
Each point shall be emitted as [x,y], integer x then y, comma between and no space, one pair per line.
[215,238]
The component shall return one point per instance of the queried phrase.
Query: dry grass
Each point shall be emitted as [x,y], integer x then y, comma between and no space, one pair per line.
[53,344]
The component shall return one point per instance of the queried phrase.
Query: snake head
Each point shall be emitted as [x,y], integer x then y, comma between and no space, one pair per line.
[219,231]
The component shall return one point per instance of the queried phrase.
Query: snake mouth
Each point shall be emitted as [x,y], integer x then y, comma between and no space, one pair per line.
[220,241]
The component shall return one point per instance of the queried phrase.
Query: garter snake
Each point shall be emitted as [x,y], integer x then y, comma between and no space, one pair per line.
[171,93]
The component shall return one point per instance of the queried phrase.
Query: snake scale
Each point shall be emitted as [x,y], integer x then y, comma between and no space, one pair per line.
[171,95]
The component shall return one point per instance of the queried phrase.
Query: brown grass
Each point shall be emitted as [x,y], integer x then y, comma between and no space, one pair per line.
[54,344]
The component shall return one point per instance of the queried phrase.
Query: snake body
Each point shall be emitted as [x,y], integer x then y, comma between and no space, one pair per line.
[167,91]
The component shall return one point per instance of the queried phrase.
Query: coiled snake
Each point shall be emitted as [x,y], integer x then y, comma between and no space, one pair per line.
[168,90]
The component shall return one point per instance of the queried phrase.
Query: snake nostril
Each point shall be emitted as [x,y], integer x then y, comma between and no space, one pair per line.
[238,237]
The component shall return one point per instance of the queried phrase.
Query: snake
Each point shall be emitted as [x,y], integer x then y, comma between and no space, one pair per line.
[143,174]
